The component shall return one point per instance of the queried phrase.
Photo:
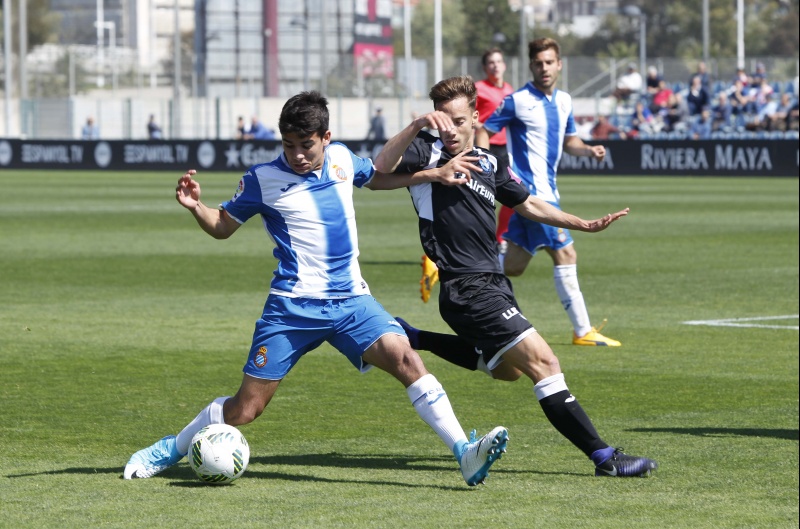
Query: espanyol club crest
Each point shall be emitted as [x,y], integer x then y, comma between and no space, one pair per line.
[239,190]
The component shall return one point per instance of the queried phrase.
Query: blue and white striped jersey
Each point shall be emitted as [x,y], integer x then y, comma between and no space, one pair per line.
[536,125]
[311,220]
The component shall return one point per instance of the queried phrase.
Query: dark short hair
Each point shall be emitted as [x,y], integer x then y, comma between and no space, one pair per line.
[488,53]
[537,46]
[304,114]
[453,88]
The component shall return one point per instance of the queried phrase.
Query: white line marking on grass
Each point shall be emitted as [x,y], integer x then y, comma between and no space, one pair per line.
[746,322]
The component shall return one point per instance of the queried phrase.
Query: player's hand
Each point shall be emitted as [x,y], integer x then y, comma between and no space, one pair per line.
[598,152]
[187,192]
[458,170]
[436,120]
[605,222]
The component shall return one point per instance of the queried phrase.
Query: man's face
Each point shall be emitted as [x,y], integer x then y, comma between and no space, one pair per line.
[464,118]
[495,66]
[545,67]
[305,154]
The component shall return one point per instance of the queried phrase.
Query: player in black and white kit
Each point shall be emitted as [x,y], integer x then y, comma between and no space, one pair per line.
[457,229]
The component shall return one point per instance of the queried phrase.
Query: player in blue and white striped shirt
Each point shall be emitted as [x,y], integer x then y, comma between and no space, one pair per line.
[305,201]
[539,128]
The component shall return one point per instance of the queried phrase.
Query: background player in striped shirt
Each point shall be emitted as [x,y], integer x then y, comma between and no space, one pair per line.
[540,126]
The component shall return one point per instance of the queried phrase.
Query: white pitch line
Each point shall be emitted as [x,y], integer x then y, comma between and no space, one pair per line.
[739,322]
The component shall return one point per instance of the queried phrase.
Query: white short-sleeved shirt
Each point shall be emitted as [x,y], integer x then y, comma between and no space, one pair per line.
[536,125]
[311,220]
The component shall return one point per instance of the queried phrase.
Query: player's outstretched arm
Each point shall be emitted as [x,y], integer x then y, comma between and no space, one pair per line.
[576,147]
[455,172]
[540,211]
[215,222]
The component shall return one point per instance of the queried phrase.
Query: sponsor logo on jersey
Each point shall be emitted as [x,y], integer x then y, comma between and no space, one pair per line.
[510,313]
[481,190]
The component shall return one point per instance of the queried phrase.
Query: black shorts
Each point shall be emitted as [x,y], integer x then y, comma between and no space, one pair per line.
[481,309]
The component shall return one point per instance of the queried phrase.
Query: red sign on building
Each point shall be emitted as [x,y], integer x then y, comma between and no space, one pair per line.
[372,38]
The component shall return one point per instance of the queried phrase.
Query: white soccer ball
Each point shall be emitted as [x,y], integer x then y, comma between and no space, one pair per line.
[219,453]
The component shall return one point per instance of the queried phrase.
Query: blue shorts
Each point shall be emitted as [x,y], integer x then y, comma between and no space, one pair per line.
[291,327]
[531,235]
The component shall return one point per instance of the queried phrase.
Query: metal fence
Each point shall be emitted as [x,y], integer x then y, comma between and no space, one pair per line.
[63,92]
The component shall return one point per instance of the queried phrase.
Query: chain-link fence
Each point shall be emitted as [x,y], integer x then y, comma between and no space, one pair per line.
[63,85]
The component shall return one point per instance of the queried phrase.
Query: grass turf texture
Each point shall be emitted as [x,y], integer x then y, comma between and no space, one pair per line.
[120,320]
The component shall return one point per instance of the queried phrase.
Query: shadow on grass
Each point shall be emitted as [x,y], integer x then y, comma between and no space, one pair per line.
[183,476]
[775,433]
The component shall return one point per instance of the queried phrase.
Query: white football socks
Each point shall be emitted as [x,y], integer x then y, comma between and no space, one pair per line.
[569,292]
[211,414]
[550,386]
[433,406]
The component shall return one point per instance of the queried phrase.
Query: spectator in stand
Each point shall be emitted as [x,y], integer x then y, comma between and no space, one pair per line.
[258,131]
[759,74]
[644,122]
[773,115]
[584,127]
[242,129]
[740,98]
[762,93]
[721,112]
[742,76]
[793,119]
[652,81]
[675,114]
[90,130]
[698,97]
[604,129]
[702,73]
[153,130]
[628,84]
[661,97]
[701,126]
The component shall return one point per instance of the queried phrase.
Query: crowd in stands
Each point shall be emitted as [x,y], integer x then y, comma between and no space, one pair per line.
[747,106]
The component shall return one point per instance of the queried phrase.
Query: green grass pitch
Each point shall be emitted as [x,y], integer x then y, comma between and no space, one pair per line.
[120,319]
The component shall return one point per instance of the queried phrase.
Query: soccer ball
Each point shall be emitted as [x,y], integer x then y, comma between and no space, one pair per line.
[219,453]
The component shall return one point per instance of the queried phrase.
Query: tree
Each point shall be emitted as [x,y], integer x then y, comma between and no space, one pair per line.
[499,27]
[42,24]
[454,30]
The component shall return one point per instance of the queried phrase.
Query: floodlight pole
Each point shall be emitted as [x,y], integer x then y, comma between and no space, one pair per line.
[740,33]
[7,62]
[101,80]
[23,49]
[437,41]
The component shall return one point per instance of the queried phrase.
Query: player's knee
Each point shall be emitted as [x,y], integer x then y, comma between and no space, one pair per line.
[411,363]
[512,269]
